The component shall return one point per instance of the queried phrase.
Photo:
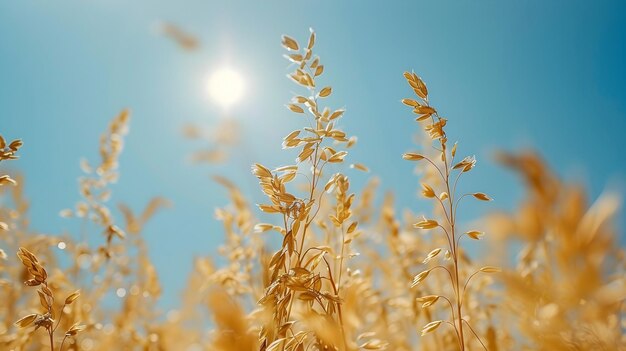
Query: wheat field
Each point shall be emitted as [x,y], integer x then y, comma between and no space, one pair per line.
[318,265]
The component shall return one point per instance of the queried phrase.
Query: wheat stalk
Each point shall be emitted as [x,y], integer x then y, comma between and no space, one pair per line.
[434,126]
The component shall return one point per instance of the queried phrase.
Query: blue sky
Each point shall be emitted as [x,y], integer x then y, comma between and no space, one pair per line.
[507,75]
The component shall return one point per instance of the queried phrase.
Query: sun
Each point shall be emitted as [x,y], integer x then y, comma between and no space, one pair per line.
[226,86]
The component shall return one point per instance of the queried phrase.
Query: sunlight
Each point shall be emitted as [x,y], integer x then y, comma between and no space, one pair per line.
[226,86]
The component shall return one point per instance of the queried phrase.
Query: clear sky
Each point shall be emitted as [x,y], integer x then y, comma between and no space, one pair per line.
[507,74]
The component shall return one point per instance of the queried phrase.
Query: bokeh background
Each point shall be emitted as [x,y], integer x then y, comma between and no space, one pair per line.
[507,75]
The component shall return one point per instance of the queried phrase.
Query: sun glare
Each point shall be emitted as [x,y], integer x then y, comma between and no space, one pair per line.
[226,87]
